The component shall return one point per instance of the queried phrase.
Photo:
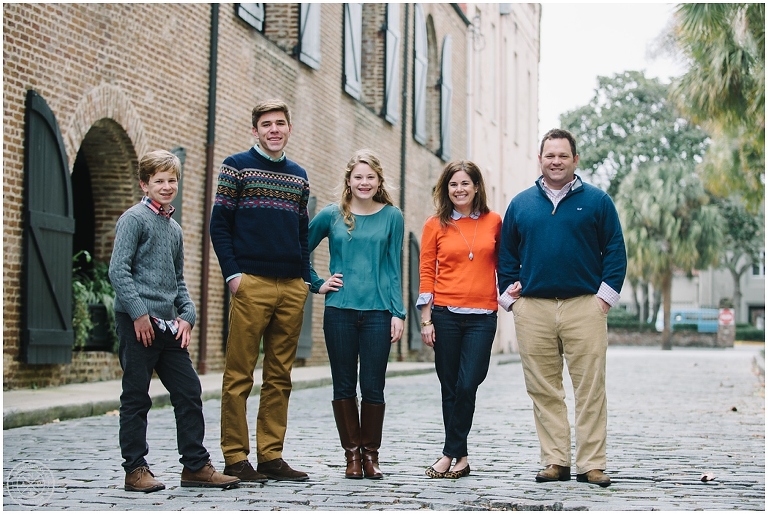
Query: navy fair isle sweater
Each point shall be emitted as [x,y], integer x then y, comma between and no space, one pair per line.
[259,222]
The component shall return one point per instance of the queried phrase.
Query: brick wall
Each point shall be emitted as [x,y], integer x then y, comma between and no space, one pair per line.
[123,79]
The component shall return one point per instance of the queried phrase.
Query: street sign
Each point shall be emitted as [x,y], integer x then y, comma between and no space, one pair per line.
[726,317]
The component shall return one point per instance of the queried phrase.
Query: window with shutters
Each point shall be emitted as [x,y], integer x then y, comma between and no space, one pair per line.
[420,62]
[446,90]
[252,14]
[309,35]
[370,73]
[353,49]
[392,78]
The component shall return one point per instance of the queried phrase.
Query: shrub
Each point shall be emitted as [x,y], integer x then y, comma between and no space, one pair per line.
[749,333]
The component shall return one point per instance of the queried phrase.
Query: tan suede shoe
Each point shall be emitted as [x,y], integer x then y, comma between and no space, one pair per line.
[594,476]
[142,480]
[207,476]
[554,473]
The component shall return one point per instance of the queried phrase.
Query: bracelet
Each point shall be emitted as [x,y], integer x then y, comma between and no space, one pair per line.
[426,323]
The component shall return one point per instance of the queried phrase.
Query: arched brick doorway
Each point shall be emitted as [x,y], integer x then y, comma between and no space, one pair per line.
[104,186]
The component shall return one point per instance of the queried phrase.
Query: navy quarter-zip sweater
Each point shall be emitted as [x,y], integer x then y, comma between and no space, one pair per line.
[563,252]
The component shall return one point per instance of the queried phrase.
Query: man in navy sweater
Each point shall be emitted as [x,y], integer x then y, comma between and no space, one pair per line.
[259,230]
[562,263]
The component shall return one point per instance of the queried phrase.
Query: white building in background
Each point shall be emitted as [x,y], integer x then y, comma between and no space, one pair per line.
[503,108]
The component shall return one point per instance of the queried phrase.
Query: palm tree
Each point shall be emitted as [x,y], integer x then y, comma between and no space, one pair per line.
[668,225]
[724,91]
[744,238]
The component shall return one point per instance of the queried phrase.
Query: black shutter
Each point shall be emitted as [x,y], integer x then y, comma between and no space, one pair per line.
[304,351]
[414,320]
[47,335]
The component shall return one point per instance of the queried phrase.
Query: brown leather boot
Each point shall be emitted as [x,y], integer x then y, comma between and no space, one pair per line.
[142,480]
[554,473]
[348,425]
[371,423]
[207,476]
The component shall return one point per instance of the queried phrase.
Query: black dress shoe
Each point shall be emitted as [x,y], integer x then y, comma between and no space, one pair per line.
[278,469]
[554,473]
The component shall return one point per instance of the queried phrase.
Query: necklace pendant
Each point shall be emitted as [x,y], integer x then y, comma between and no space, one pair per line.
[471,256]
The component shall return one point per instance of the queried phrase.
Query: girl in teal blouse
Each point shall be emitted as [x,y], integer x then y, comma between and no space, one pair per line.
[364,311]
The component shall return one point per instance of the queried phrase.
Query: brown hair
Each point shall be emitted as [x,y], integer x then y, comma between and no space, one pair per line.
[382,196]
[156,162]
[559,134]
[266,106]
[443,204]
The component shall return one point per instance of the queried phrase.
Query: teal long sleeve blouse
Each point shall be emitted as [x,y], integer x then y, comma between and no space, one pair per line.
[369,258]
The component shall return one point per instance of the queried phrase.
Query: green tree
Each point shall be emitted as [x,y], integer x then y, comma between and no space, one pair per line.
[724,91]
[627,123]
[669,225]
[743,239]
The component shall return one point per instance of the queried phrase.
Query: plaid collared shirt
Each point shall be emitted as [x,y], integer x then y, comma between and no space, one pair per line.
[157,208]
[162,324]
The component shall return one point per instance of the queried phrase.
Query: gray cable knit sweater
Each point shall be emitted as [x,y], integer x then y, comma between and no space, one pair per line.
[147,267]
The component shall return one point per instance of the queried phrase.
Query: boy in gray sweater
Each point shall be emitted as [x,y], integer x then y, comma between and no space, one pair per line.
[154,315]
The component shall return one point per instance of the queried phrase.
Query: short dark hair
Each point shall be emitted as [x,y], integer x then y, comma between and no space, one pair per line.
[270,106]
[559,134]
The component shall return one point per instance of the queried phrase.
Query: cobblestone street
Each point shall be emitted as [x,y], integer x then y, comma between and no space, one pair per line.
[673,416]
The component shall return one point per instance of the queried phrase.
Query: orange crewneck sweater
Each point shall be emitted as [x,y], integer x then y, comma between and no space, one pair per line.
[445,269]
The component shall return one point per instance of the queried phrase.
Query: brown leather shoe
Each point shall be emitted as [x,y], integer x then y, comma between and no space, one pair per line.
[245,472]
[554,473]
[278,469]
[594,476]
[142,480]
[207,476]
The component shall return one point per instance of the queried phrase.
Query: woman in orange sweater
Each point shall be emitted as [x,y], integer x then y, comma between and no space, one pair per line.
[458,301]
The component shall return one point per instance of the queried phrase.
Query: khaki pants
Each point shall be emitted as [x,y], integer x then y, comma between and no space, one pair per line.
[547,331]
[272,308]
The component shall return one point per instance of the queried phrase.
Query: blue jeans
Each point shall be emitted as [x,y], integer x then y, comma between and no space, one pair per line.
[462,354]
[350,334]
[174,367]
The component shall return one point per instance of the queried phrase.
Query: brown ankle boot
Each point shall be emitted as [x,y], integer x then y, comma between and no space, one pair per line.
[207,476]
[142,480]
[348,425]
[371,423]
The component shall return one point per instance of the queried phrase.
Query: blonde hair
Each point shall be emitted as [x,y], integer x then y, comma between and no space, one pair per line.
[443,204]
[156,162]
[382,196]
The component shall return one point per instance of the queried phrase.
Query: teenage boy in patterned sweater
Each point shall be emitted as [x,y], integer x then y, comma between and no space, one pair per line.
[154,316]
[259,227]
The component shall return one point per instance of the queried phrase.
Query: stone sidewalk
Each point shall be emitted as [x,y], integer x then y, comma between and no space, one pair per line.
[673,417]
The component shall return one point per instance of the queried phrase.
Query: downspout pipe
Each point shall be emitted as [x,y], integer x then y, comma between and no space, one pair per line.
[202,364]
[403,141]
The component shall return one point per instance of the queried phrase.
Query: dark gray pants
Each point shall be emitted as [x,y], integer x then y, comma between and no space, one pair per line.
[174,367]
